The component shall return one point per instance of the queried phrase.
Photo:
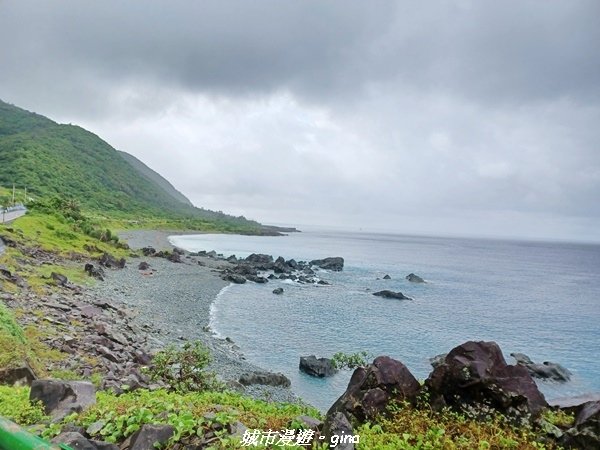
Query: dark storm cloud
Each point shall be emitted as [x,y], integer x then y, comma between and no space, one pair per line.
[482,49]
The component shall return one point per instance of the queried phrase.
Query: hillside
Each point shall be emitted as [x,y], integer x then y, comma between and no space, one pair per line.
[156,178]
[53,159]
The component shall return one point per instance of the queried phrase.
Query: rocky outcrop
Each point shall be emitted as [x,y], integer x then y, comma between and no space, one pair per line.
[391,294]
[546,371]
[414,278]
[317,367]
[372,388]
[143,266]
[278,291]
[585,433]
[265,378]
[110,262]
[335,263]
[95,272]
[387,277]
[20,376]
[148,436]
[61,398]
[475,378]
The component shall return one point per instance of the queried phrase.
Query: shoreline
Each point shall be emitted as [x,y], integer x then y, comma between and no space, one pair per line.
[169,291]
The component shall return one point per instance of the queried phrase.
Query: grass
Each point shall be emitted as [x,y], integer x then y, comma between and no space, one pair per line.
[15,406]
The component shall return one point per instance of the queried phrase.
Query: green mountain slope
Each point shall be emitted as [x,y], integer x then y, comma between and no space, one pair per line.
[53,159]
[156,178]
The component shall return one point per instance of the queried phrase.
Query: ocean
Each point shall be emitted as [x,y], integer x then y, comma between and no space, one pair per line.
[537,298]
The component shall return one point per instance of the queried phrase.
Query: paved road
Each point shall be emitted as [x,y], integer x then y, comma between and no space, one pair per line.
[9,216]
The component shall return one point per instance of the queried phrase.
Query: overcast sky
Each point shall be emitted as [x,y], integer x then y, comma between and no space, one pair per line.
[452,117]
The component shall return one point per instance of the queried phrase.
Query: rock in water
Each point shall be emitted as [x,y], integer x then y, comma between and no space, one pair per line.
[278,291]
[317,367]
[387,277]
[391,294]
[547,370]
[335,263]
[475,377]
[414,278]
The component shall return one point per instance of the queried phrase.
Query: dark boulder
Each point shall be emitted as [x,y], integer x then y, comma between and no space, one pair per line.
[174,257]
[257,279]
[335,263]
[475,378]
[61,398]
[437,360]
[546,371]
[234,278]
[387,277]
[585,434]
[21,376]
[280,266]
[143,266]
[317,367]
[59,279]
[110,262]
[278,291]
[265,378]
[391,294]
[147,436]
[95,272]
[148,251]
[337,428]
[74,440]
[372,388]
[414,278]
[260,261]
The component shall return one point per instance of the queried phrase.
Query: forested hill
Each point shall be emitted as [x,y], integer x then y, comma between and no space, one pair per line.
[66,160]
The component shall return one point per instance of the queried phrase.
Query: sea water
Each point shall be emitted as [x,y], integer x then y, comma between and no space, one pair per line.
[538,298]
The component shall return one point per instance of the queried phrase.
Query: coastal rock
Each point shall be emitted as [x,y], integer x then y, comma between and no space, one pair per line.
[265,378]
[174,257]
[109,261]
[260,261]
[257,279]
[372,388]
[317,367]
[437,360]
[335,263]
[60,279]
[143,266]
[234,278]
[585,434]
[60,398]
[278,291]
[147,436]
[20,376]
[414,278]
[476,378]
[280,266]
[148,251]
[387,277]
[95,272]
[390,294]
[337,428]
[546,370]
[74,440]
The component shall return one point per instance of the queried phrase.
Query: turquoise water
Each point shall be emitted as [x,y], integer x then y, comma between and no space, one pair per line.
[542,299]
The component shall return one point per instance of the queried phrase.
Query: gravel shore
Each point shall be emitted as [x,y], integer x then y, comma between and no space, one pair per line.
[174,301]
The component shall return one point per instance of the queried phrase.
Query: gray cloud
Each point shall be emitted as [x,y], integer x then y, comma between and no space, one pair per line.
[377,113]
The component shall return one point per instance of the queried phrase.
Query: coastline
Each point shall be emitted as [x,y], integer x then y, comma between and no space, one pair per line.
[174,300]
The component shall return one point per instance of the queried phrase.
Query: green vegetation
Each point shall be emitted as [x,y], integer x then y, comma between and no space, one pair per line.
[410,428]
[184,370]
[15,406]
[345,361]
[68,161]
[191,414]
